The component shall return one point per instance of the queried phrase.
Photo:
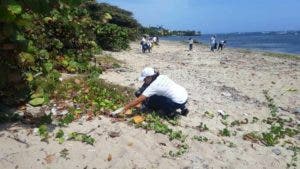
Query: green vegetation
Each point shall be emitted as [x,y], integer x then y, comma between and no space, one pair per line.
[254,119]
[43,132]
[294,159]
[108,62]
[232,145]
[91,95]
[273,108]
[200,138]
[202,127]
[81,137]
[225,132]
[154,122]
[239,122]
[182,149]
[48,37]
[209,114]
[277,132]
[160,31]
[60,136]
[178,135]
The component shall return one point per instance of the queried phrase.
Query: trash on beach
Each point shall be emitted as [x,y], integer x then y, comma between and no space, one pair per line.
[128,112]
[109,157]
[252,137]
[138,119]
[114,134]
[116,112]
[276,151]
[221,113]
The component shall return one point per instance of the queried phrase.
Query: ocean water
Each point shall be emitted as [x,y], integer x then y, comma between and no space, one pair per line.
[282,42]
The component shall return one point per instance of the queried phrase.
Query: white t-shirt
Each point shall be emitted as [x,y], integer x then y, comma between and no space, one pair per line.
[212,40]
[163,86]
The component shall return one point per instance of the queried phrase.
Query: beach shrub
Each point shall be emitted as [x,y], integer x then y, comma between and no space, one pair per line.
[40,40]
[112,37]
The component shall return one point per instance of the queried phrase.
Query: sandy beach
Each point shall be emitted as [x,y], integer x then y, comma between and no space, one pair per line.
[231,80]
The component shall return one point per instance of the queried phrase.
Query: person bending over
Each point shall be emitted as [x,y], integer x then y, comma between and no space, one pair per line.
[161,94]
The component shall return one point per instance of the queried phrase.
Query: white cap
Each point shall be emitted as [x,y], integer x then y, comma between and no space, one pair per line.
[148,71]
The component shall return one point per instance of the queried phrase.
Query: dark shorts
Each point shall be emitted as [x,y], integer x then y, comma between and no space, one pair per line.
[164,105]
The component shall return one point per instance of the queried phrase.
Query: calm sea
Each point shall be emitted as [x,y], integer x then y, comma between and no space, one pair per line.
[283,42]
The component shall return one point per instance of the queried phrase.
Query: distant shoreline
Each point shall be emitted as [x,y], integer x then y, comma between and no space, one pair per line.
[247,50]
[273,43]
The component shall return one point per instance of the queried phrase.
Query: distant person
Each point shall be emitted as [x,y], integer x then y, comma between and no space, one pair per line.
[155,40]
[213,44]
[143,41]
[191,41]
[145,45]
[149,45]
[222,44]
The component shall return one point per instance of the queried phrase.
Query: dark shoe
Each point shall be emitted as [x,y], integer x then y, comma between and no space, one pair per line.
[184,112]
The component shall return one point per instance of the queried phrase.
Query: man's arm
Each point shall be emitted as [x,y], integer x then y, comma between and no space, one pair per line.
[135,102]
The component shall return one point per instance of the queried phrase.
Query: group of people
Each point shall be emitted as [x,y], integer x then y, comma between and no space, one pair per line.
[216,46]
[213,44]
[147,43]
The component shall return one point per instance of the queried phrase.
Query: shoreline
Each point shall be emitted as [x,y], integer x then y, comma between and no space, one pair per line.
[245,50]
[239,48]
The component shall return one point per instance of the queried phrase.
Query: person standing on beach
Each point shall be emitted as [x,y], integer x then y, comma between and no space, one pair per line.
[213,43]
[159,93]
[191,41]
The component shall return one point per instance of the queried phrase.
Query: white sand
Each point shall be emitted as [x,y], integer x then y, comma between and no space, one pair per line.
[230,80]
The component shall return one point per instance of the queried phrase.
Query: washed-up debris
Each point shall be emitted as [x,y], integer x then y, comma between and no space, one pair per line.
[223,114]
[109,158]
[33,114]
[297,111]
[114,120]
[114,134]
[276,151]
[49,158]
[138,119]
[226,94]
[19,139]
[163,144]
[128,112]
[239,122]
[253,137]
[116,112]
[64,153]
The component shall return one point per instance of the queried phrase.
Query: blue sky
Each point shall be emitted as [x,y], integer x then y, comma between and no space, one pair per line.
[215,16]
